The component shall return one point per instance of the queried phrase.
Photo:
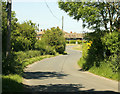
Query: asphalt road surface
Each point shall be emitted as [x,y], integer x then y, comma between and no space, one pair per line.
[62,74]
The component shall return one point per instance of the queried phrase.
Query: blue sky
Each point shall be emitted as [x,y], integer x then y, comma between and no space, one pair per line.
[39,13]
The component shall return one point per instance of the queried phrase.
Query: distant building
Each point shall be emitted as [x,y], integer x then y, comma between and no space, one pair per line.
[68,36]
[39,35]
[73,36]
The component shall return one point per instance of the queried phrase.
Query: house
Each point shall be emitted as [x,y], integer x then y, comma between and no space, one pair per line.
[73,36]
[39,35]
[68,36]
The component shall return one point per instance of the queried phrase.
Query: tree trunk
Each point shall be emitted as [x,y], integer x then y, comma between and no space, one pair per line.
[8,48]
[110,16]
[104,20]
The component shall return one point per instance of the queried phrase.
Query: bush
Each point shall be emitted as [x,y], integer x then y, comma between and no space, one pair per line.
[14,63]
[72,41]
[92,54]
[79,41]
[50,50]
[54,38]
[104,52]
[84,41]
[44,48]
[27,54]
[67,41]
[24,36]
[111,42]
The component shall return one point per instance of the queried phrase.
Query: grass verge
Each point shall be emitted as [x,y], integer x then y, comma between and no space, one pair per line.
[103,70]
[13,82]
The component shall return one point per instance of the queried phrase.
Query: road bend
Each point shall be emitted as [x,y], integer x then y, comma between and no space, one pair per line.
[62,74]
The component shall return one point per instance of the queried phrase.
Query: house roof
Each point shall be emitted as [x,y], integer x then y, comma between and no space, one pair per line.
[73,35]
[41,32]
[67,35]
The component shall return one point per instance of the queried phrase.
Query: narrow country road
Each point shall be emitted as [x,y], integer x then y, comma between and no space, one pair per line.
[62,74]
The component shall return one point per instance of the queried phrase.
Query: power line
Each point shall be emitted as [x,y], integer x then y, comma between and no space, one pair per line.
[51,10]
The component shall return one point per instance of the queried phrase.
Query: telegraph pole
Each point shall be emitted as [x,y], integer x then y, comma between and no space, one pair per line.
[8,48]
[62,22]
[62,31]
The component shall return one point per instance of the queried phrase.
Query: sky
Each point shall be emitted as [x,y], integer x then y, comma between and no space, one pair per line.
[39,13]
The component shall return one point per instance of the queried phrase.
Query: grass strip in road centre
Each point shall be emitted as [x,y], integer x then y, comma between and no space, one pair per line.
[13,82]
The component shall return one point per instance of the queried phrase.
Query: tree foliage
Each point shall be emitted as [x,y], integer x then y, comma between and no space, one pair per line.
[103,18]
[23,36]
[111,44]
[94,14]
[54,38]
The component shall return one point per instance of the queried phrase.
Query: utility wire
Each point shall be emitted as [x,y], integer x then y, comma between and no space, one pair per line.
[51,10]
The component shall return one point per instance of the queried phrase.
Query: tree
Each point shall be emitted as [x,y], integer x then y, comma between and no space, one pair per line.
[103,18]
[24,36]
[54,38]
[93,14]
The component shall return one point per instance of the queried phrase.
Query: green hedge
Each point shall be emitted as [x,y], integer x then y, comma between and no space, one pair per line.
[79,41]
[54,38]
[12,82]
[103,56]
[67,41]
[72,41]
[111,42]
[16,62]
[44,48]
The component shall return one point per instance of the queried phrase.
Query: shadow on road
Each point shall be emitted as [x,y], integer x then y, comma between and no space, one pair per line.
[59,89]
[55,88]
[50,88]
[81,70]
[65,88]
[43,75]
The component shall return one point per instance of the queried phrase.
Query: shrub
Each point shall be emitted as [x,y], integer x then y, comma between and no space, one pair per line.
[79,41]
[50,50]
[111,42]
[40,45]
[44,48]
[67,41]
[84,41]
[21,55]
[55,38]
[14,63]
[92,54]
[21,44]
[72,41]
[24,36]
